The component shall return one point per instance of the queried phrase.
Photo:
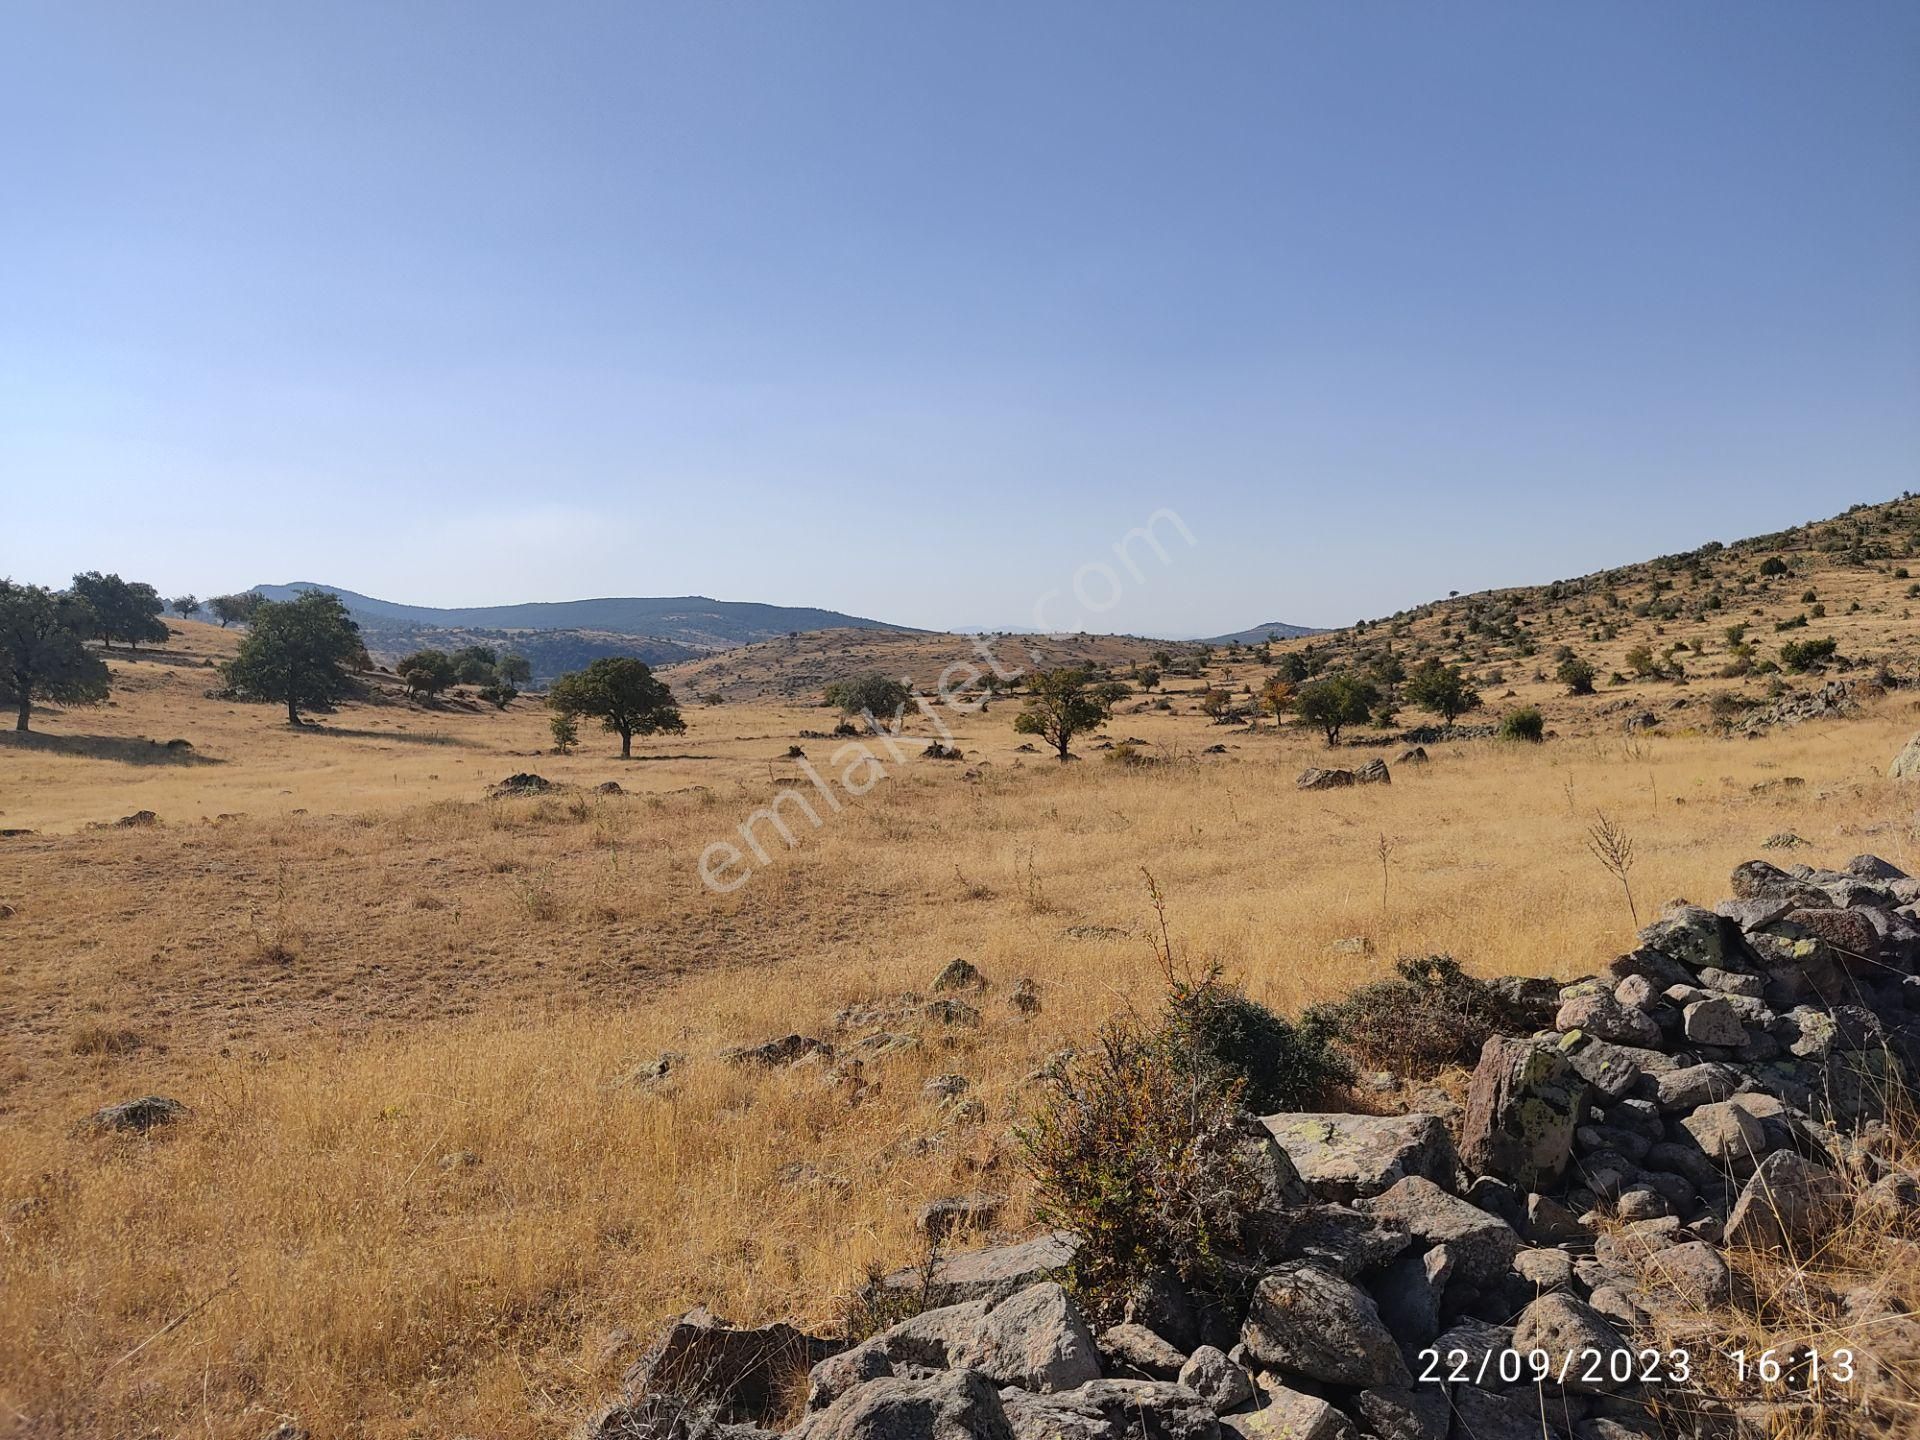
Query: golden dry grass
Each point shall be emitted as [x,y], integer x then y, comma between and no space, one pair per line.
[418,1193]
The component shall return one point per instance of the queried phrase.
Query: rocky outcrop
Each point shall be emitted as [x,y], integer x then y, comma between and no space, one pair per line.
[1906,765]
[1341,1157]
[1314,778]
[1718,1087]
[1523,1107]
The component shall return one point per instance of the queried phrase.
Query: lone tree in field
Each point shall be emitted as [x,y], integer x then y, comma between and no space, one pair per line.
[43,655]
[873,696]
[1443,689]
[514,669]
[1064,703]
[426,672]
[1576,674]
[122,610]
[229,608]
[623,694]
[1332,704]
[298,652]
[185,606]
[1278,696]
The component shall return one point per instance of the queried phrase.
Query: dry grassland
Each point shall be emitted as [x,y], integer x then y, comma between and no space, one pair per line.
[422,1193]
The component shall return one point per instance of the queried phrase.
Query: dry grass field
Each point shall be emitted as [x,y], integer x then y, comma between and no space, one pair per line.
[430,1186]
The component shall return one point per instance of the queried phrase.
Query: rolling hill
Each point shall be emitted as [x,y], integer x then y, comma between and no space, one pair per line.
[1272,630]
[695,621]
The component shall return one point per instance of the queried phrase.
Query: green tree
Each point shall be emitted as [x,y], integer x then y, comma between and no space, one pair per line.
[185,606]
[514,669]
[43,653]
[1802,655]
[623,695]
[1064,703]
[426,672]
[873,695]
[298,652]
[566,732]
[230,608]
[1332,704]
[498,695]
[1576,674]
[1149,678]
[1442,689]
[122,610]
[475,665]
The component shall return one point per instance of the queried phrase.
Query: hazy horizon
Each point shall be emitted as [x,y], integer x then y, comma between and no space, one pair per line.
[913,315]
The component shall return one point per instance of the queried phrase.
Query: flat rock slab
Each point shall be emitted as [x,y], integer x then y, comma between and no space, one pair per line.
[1344,1157]
[990,1274]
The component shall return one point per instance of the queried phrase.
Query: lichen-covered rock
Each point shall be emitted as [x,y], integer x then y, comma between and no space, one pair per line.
[1134,1351]
[1562,1324]
[1290,1415]
[1417,1414]
[957,1405]
[1601,1015]
[1482,1245]
[1906,764]
[1343,1157]
[1713,1022]
[740,1370]
[1692,1272]
[1315,778]
[1311,1322]
[1727,1134]
[1036,1339]
[1342,1239]
[1111,1410]
[1697,938]
[1788,1200]
[1523,1106]
[137,1116]
[1216,1379]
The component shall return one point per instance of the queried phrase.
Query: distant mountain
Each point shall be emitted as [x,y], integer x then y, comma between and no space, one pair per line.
[690,620]
[1273,630]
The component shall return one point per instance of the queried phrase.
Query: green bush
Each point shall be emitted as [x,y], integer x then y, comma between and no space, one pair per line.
[1432,1014]
[1524,724]
[1216,1033]
[1773,565]
[1802,655]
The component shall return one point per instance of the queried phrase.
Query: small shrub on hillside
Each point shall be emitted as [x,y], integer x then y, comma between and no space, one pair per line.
[1214,1031]
[1431,1015]
[1148,1165]
[1802,655]
[1524,724]
[1773,565]
[1576,674]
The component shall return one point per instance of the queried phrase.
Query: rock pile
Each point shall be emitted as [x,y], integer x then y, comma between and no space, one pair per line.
[1720,1086]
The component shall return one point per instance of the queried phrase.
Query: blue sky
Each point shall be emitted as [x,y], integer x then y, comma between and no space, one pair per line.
[915,310]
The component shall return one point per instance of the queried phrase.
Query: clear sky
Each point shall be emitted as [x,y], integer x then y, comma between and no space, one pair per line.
[913,310]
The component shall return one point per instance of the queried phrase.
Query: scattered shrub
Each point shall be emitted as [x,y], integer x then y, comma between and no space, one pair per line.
[1803,655]
[1221,1036]
[1524,724]
[1431,1015]
[1149,1167]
